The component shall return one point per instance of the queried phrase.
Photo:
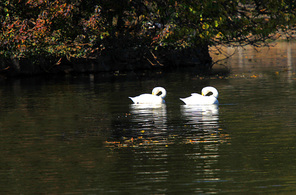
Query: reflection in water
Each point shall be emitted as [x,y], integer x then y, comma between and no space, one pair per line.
[54,134]
[204,117]
[147,125]
[151,120]
[162,152]
[204,121]
[189,150]
[289,63]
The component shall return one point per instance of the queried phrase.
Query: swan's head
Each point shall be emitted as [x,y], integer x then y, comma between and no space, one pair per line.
[158,90]
[207,90]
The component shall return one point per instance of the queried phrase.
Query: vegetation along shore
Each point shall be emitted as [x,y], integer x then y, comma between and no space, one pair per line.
[62,36]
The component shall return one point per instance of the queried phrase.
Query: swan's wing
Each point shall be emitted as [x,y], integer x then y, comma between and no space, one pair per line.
[183,99]
[147,99]
[196,95]
[197,99]
[193,99]
[140,98]
[133,99]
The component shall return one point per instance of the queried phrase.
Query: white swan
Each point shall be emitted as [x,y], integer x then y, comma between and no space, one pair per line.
[202,99]
[151,98]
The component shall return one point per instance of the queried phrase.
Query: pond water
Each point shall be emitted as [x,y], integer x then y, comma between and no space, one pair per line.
[81,135]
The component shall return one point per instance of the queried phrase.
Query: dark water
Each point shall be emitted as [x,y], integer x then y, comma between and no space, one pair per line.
[81,135]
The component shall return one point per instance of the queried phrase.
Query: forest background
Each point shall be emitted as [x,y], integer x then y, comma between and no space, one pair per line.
[40,36]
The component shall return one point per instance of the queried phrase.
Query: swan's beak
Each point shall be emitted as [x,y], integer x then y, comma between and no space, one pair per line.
[202,94]
[153,93]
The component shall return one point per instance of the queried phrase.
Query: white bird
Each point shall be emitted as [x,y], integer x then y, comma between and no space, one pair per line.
[153,98]
[196,98]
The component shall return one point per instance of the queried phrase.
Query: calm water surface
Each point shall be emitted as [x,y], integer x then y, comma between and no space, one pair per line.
[81,135]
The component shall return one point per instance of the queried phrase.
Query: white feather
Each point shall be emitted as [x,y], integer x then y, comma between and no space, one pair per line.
[151,98]
[196,98]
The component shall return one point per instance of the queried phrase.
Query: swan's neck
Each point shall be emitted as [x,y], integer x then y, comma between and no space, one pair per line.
[158,90]
[163,93]
[215,93]
[212,90]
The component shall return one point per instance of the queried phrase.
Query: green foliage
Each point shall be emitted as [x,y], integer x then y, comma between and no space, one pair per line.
[54,28]
[63,28]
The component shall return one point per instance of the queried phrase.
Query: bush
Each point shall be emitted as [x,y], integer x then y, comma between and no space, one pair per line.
[84,29]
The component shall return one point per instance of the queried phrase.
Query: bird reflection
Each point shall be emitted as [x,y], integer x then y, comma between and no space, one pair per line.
[203,117]
[149,119]
[158,145]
